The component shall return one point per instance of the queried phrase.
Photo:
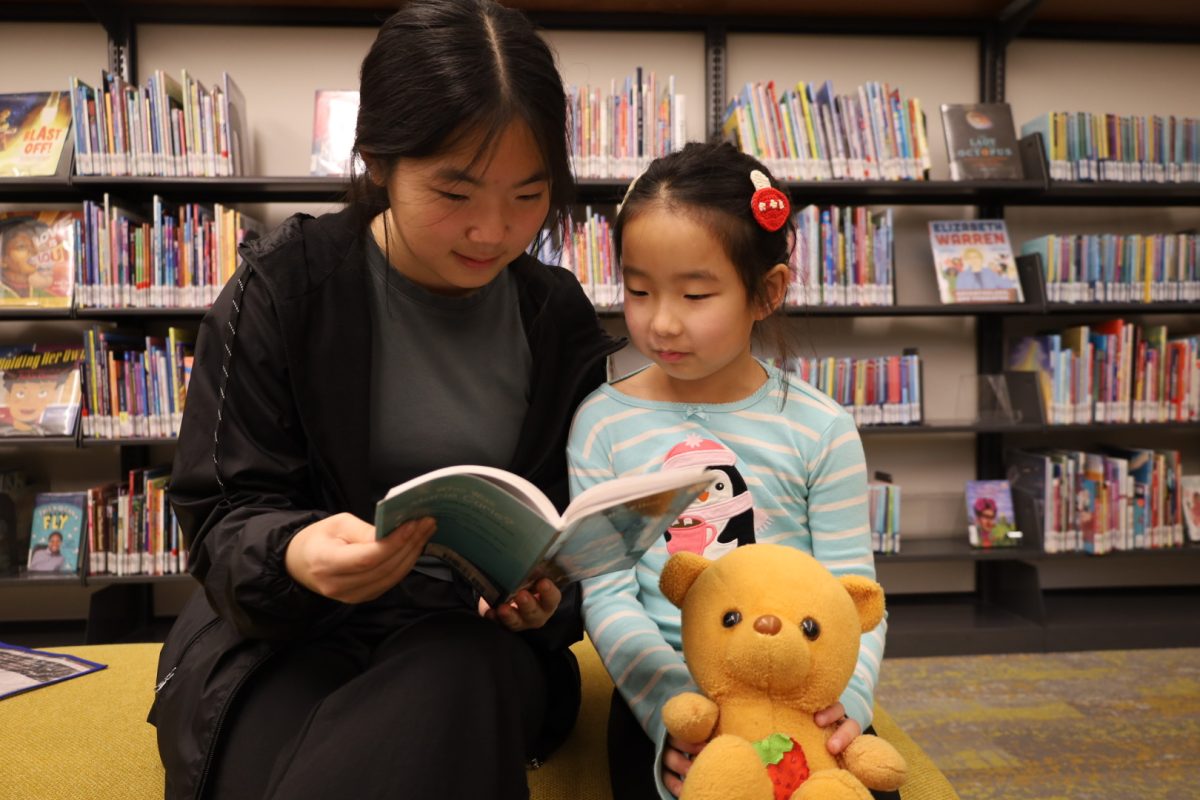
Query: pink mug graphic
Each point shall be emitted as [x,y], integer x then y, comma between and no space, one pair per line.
[690,534]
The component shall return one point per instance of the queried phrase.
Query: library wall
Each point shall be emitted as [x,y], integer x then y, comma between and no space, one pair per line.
[37,56]
[1107,77]
[280,68]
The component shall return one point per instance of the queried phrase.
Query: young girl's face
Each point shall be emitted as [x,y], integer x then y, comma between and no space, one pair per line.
[457,219]
[686,307]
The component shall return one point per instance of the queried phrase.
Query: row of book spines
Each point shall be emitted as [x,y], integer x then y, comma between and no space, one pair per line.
[810,133]
[163,129]
[883,390]
[1121,499]
[135,387]
[1120,373]
[614,131]
[843,256]
[176,259]
[1119,267]
[1081,146]
[585,248]
[131,528]
[884,516]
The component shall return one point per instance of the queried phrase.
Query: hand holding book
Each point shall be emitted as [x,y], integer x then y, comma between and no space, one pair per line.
[529,609]
[501,533]
[339,557]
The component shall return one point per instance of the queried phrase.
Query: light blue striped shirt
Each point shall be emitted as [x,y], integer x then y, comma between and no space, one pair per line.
[792,472]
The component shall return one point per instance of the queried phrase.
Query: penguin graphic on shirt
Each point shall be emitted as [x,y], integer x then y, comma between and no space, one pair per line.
[722,518]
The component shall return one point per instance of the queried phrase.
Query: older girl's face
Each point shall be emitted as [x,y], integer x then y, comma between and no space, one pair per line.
[457,219]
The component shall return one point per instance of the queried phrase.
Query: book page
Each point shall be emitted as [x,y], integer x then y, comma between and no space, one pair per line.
[512,484]
[477,520]
[631,487]
[616,536]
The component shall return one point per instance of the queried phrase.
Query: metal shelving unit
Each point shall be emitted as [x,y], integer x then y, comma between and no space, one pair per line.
[1009,609]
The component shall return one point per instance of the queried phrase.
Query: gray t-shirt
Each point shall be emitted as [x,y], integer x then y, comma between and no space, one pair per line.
[450,375]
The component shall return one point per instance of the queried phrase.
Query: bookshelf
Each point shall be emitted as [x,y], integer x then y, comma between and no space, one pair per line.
[1006,604]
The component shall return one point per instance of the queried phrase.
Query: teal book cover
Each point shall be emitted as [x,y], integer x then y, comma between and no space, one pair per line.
[56,534]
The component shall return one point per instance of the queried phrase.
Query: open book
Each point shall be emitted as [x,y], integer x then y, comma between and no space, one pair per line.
[502,533]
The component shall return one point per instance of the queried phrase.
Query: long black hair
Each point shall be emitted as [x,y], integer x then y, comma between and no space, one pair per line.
[443,71]
[710,184]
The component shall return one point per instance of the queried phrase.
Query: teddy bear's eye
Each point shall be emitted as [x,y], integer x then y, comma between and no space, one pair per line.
[811,628]
[719,486]
[731,618]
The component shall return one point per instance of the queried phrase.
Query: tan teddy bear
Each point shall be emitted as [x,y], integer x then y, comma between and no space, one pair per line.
[771,637]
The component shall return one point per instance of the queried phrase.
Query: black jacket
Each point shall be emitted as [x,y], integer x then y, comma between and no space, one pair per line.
[283,361]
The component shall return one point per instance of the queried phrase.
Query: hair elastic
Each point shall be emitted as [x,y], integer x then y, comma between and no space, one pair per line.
[769,206]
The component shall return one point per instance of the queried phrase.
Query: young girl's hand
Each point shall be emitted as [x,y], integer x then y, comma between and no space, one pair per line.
[528,610]
[847,728]
[677,760]
[339,557]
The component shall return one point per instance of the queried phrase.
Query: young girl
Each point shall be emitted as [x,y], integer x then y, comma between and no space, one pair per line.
[350,353]
[703,239]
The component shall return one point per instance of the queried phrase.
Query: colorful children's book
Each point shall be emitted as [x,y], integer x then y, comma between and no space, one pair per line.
[981,142]
[39,255]
[501,533]
[22,669]
[238,159]
[974,262]
[1190,488]
[335,115]
[990,513]
[35,134]
[56,534]
[39,390]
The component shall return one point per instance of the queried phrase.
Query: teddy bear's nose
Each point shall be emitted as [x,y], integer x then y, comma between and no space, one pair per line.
[768,624]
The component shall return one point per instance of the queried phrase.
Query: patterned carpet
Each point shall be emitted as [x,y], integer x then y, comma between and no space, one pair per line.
[1060,726]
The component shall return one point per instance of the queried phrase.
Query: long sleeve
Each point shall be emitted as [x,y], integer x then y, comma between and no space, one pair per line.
[646,669]
[841,540]
[240,485]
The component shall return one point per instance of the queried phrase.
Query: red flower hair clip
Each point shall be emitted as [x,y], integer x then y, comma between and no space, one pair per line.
[769,206]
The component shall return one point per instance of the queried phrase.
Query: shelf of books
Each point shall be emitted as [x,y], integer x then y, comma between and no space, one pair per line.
[149,239]
[95,581]
[959,548]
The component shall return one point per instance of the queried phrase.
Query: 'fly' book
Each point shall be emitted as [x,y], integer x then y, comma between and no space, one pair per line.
[502,533]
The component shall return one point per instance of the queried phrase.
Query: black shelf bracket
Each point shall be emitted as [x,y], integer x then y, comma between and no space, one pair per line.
[715,87]
[994,43]
[1013,586]
[118,612]
[122,41]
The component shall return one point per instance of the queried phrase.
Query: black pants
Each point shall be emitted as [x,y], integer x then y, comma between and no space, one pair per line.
[444,707]
[631,756]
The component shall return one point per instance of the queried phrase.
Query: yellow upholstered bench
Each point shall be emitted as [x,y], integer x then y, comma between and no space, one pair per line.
[88,739]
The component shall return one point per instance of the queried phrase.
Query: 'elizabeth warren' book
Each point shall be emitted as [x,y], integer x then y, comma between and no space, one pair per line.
[974,261]
[501,533]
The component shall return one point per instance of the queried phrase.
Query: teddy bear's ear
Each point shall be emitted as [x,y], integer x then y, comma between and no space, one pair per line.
[868,598]
[679,574]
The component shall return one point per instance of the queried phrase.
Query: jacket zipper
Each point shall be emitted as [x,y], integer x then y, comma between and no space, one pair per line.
[216,734]
[158,687]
